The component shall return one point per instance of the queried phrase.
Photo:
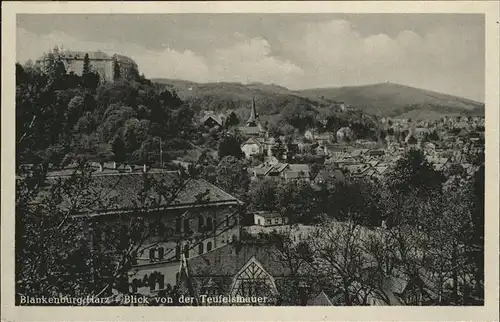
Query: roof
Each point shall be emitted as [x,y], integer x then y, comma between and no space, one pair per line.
[358,152]
[278,167]
[336,174]
[120,192]
[250,130]
[296,174]
[357,168]
[319,300]
[299,167]
[96,55]
[122,58]
[216,117]
[268,214]
[228,260]
[252,141]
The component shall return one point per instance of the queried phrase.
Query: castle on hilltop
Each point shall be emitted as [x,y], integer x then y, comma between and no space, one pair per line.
[100,63]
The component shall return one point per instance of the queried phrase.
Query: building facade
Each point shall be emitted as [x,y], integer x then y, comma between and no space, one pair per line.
[100,63]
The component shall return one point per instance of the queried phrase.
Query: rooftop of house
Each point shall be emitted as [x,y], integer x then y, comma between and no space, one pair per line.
[253,141]
[296,175]
[228,260]
[251,130]
[336,174]
[268,214]
[218,118]
[158,189]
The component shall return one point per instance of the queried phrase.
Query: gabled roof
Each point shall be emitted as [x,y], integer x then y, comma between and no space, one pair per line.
[320,299]
[121,192]
[216,117]
[229,259]
[296,174]
[252,141]
[299,167]
[336,174]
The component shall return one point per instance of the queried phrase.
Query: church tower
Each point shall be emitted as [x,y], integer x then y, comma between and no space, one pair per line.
[253,119]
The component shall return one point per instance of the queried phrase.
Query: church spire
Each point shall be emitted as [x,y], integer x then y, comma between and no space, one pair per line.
[253,115]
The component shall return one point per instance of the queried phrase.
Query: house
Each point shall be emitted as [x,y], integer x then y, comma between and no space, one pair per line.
[357,170]
[358,154]
[439,163]
[324,175]
[400,289]
[326,137]
[345,134]
[218,120]
[252,147]
[200,218]
[212,120]
[241,273]
[269,218]
[376,153]
[334,150]
[284,171]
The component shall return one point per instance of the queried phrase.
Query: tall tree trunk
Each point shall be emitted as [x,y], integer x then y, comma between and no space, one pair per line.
[454,264]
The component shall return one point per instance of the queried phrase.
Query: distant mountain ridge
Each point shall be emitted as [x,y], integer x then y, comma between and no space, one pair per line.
[389,99]
[383,99]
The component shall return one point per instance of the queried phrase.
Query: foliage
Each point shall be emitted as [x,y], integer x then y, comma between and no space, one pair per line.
[232,176]
[229,146]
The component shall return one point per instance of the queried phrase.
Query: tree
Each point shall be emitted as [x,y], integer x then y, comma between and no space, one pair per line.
[229,145]
[119,149]
[86,65]
[341,262]
[232,176]
[262,194]
[414,173]
[116,70]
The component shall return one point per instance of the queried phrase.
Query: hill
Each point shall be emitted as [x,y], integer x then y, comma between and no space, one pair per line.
[395,100]
[270,99]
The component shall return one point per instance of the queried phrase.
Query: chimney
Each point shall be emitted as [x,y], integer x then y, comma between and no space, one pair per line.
[100,167]
[113,165]
[144,168]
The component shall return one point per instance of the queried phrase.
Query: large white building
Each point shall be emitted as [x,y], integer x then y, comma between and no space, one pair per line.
[100,62]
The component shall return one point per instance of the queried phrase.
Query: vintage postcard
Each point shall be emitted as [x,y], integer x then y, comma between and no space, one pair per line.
[250,161]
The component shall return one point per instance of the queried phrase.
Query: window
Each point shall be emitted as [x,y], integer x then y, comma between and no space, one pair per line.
[209,246]
[178,225]
[160,279]
[209,223]
[161,228]
[234,238]
[201,222]
[200,248]
[186,251]
[152,282]
[151,254]
[227,221]
[276,220]
[268,221]
[187,226]
[161,253]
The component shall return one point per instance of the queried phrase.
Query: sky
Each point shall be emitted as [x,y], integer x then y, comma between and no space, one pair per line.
[440,52]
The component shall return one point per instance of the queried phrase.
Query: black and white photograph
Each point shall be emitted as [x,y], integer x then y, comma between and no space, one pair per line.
[249,159]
